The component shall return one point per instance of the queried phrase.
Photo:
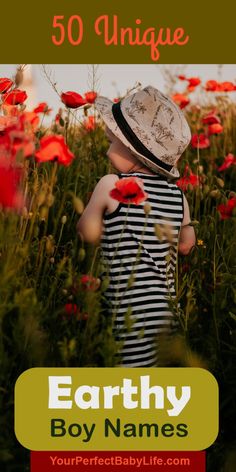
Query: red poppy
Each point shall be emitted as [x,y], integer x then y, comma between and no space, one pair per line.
[181,77]
[5,84]
[59,118]
[53,147]
[129,190]
[90,97]
[71,309]
[89,282]
[227,87]
[229,160]
[191,88]
[72,99]
[212,86]
[42,108]
[194,81]
[181,100]
[90,123]
[215,128]
[226,210]
[10,196]
[30,118]
[6,121]
[210,119]
[188,179]
[200,141]
[116,100]
[10,110]
[21,142]
[15,97]
[19,132]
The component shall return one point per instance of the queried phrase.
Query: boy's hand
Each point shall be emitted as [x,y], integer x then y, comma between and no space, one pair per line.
[90,224]
[187,236]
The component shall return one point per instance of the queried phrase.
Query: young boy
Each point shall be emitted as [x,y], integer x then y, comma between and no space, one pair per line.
[148,133]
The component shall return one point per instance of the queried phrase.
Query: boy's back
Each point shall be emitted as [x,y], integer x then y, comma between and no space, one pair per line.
[139,246]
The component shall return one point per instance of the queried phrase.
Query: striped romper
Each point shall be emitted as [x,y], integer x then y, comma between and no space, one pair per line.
[139,253]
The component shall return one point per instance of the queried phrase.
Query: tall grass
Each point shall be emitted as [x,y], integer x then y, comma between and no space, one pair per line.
[49,317]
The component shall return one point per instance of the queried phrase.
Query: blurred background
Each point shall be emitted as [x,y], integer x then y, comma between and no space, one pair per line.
[111,80]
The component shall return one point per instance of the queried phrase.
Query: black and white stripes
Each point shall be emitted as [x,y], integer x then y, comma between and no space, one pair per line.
[139,255]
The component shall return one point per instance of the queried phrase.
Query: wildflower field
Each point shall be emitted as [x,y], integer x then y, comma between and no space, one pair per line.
[50,290]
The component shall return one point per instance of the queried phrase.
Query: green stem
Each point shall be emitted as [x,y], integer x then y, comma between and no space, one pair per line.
[214,294]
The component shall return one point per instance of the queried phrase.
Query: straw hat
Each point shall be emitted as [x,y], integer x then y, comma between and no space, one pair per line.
[151,125]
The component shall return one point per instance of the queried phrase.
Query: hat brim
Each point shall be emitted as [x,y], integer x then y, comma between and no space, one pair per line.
[104,107]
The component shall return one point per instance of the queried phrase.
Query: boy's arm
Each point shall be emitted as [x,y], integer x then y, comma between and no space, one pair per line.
[90,225]
[187,237]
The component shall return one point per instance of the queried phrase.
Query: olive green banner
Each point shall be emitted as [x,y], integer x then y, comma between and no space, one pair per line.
[116,409]
[125,32]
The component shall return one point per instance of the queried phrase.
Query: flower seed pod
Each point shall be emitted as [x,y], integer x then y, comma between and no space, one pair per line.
[105,283]
[147,208]
[19,77]
[78,205]
[50,199]
[41,197]
[50,247]
[158,231]
[215,193]
[220,182]
[43,213]
[168,258]
[206,190]
[63,219]
[82,254]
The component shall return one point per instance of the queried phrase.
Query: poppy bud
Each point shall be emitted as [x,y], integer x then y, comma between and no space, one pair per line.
[41,197]
[168,258]
[220,182]
[61,122]
[18,77]
[147,208]
[215,193]
[105,284]
[50,245]
[158,232]
[206,189]
[43,213]
[78,205]
[50,199]
[82,254]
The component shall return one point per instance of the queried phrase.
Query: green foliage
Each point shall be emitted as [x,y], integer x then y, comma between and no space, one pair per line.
[48,317]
